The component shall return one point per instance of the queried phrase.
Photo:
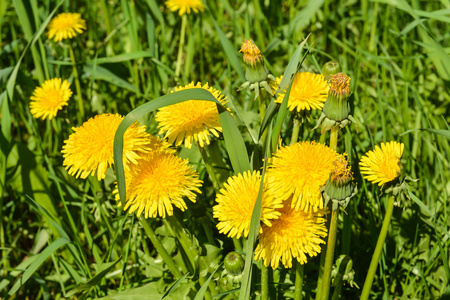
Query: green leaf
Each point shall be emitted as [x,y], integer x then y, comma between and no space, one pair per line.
[443,132]
[174,286]
[201,292]
[40,259]
[123,57]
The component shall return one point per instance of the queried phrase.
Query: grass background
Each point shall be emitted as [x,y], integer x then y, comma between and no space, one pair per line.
[395,52]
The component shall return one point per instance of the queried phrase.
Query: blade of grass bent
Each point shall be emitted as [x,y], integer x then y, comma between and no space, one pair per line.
[233,140]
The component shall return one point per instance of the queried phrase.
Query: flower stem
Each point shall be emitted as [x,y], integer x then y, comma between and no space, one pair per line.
[331,244]
[377,253]
[295,131]
[326,278]
[77,85]
[160,248]
[264,282]
[299,270]
[181,45]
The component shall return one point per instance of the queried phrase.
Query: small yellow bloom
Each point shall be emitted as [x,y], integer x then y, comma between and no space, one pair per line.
[236,201]
[185,6]
[382,165]
[341,172]
[65,26]
[309,91]
[293,235]
[300,170]
[191,120]
[50,98]
[89,150]
[157,183]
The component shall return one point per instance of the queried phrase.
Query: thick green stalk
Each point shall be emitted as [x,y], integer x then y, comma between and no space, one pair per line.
[326,277]
[264,282]
[77,85]
[181,45]
[160,248]
[331,244]
[377,253]
[299,271]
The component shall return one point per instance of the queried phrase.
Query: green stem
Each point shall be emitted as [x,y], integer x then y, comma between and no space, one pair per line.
[180,234]
[160,248]
[326,278]
[299,271]
[323,254]
[378,249]
[334,137]
[264,282]
[295,131]
[181,45]
[77,85]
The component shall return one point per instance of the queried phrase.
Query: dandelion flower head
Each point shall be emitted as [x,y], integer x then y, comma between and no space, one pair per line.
[340,84]
[185,6]
[236,201]
[251,52]
[309,91]
[293,235]
[191,120]
[157,183]
[301,170]
[341,171]
[89,150]
[65,26]
[382,165]
[48,99]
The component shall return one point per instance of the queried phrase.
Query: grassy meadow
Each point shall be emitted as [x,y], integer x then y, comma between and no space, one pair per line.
[63,237]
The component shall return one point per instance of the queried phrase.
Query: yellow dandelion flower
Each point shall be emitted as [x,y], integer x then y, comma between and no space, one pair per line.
[293,235]
[237,200]
[89,150]
[309,91]
[157,183]
[191,120]
[251,52]
[382,165]
[301,170]
[65,26]
[49,98]
[185,6]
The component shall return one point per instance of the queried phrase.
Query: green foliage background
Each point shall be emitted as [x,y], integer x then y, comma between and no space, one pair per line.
[395,52]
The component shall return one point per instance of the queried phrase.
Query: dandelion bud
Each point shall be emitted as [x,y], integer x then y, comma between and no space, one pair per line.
[340,188]
[331,68]
[256,72]
[336,110]
[234,263]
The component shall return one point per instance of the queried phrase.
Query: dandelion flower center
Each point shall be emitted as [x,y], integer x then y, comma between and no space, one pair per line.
[382,165]
[157,183]
[341,171]
[65,26]
[236,201]
[191,120]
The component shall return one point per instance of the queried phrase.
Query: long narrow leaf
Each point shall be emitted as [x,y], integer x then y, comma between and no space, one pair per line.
[233,140]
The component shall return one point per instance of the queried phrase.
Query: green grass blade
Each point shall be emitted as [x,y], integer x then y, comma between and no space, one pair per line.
[174,286]
[123,57]
[230,51]
[443,132]
[40,259]
[234,142]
